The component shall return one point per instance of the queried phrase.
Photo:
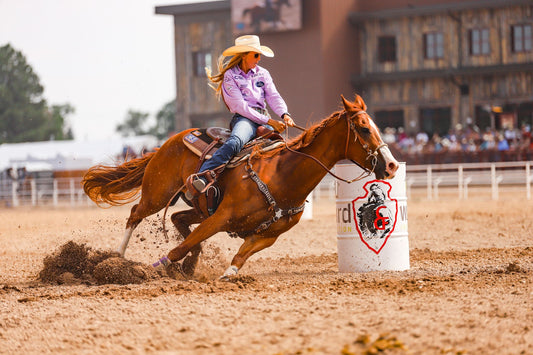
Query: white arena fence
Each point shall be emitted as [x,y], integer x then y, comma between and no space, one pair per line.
[457,180]
[43,192]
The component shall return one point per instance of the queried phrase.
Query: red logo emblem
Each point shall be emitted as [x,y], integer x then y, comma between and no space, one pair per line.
[375,214]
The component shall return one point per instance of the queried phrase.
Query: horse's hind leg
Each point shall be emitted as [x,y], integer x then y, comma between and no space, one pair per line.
[251,245]
[183,220]
[131,224]
[138,212]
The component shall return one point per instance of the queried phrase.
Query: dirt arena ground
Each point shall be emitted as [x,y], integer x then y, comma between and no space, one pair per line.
[469,289]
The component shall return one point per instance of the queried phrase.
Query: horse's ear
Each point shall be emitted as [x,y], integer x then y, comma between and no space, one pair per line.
[348,106]
[359,102]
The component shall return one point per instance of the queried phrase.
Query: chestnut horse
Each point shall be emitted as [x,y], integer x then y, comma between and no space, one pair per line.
[289,174]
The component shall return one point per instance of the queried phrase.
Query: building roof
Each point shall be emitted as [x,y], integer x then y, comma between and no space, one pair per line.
[357,17]
[71,154]
[202,7]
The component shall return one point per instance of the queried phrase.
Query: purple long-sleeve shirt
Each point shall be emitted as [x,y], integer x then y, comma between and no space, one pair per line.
[243,91]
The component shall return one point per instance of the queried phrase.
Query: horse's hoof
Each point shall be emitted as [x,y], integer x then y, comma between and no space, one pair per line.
[188,265]
[175,271]
[231,271]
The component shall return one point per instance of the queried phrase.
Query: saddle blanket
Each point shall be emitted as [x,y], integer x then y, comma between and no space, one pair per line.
[200,139]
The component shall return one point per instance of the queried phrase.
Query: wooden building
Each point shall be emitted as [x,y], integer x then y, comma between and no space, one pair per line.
[200,32]
[311,67]
[420,64]
[431,67]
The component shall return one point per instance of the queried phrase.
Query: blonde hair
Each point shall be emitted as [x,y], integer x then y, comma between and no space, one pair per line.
[223,64]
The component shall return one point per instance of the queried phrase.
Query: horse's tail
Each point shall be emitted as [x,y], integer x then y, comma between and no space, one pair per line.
[116,185]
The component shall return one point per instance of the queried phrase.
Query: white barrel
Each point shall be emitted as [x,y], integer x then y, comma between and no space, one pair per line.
[371,222]
[308,210]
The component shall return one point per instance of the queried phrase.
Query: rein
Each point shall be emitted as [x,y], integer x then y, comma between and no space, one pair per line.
[370,154]
[279,213]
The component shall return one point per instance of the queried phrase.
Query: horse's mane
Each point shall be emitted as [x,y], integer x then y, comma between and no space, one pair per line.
[299,142]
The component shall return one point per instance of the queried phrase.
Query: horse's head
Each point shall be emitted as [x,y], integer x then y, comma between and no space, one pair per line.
[367,148]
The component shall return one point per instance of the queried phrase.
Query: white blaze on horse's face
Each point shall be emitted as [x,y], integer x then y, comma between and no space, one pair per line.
[373,125]
[391,164]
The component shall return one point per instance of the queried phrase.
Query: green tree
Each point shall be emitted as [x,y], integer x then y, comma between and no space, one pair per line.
[133,124]
[135,121]
[59,129]
[165,121]
[24,113]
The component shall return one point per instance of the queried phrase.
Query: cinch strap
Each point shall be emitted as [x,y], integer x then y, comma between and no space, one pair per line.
[278,212]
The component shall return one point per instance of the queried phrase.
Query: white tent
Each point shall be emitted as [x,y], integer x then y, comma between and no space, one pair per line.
[71,154]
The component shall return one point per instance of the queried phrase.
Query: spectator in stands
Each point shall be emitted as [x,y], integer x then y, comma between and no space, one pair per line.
[389,135]
[422,137]
[437,142]
[401,135]
[464,143]
[503,145]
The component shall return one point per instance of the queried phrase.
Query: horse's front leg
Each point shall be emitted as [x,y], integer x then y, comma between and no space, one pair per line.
[206,229]
[183,220]
[251,245]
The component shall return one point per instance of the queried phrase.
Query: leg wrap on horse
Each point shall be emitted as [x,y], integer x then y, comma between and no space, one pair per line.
[230,271]
[165,261]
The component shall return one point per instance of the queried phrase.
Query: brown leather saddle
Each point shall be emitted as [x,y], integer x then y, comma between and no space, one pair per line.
[200,139]
[206,141]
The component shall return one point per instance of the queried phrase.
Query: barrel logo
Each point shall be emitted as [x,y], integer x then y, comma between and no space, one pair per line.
[375,214]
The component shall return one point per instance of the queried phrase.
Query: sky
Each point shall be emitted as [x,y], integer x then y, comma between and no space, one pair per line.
[103,57]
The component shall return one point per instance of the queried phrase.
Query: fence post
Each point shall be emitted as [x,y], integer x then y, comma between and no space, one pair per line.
[55,193]
[494,181]
[466,182]
[33,185]
[14,188]
[528,181]
[72,192]
[429,183]
[436,188]
[460,182]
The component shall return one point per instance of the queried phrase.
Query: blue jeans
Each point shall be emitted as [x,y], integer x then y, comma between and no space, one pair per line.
[243,131]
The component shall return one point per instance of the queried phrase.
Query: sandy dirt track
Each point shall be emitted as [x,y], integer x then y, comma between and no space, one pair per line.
[469,289]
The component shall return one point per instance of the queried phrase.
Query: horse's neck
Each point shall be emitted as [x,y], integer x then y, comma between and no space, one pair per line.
[328,147]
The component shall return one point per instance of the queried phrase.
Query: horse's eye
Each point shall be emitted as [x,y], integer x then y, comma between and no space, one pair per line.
[365,130]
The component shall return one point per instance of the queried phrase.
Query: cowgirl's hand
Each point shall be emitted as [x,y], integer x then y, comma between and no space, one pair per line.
[288,120]
[277,125]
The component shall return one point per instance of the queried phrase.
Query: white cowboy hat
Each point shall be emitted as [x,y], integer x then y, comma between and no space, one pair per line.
[248,43]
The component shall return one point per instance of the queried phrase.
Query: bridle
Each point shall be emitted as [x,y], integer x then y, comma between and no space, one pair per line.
[370,154]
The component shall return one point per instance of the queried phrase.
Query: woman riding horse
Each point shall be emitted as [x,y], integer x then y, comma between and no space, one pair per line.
[288,174]
[244,87]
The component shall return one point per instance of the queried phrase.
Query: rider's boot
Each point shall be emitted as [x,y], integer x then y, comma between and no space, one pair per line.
[197,183]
